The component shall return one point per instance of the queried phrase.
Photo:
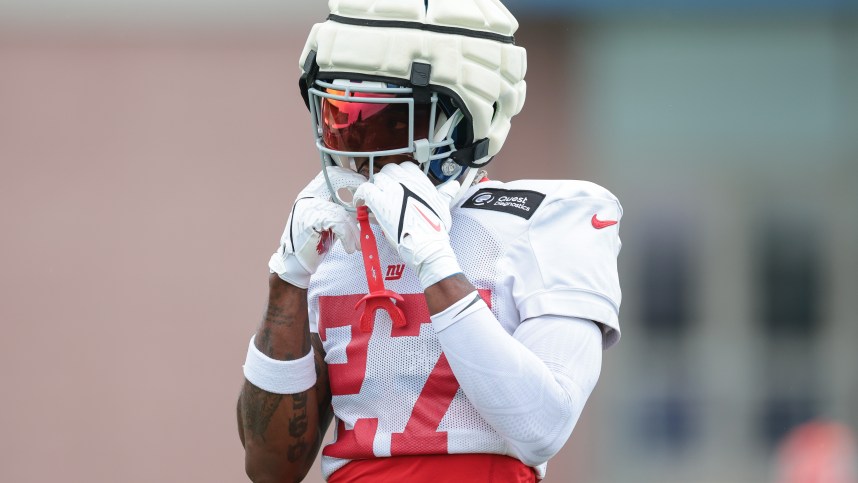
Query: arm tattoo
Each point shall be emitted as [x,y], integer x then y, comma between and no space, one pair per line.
[258,407]
[298,426]
[297,450]
[276,315]
[276,318]
[264,342]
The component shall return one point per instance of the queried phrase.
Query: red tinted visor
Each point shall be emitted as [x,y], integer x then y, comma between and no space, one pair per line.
[367,127]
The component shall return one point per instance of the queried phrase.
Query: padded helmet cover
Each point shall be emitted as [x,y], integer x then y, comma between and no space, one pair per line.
[468,43]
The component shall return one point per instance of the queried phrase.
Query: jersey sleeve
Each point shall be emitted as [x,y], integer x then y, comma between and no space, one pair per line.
[565,264]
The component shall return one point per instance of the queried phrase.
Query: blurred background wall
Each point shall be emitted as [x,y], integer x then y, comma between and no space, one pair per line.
[150,151]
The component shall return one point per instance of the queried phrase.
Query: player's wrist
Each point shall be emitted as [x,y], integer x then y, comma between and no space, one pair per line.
[460,308]
[290,269]
[279,376]
[441,265]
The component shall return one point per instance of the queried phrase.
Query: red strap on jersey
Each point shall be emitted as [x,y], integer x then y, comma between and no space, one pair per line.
[448,468]
[378,297]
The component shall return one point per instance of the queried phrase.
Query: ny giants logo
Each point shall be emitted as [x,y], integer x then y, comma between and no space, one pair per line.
[394,272]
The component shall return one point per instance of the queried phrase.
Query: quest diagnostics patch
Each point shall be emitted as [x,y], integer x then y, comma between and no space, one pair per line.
[521,203]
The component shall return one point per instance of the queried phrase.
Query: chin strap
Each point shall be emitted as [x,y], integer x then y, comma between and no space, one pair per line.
[467,182]
[378,297]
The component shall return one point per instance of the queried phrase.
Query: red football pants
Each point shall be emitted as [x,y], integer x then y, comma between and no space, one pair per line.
[453,468]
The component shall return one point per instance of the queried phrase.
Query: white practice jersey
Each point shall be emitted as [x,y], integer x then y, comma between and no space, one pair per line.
[531,248]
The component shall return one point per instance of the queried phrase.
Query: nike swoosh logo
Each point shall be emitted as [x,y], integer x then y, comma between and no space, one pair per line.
[408,194]
[599,224]
[436,226]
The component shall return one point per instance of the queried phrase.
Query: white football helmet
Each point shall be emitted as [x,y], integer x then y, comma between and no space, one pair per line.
[433,81]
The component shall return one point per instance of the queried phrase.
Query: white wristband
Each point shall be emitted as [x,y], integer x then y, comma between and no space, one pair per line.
[279,377]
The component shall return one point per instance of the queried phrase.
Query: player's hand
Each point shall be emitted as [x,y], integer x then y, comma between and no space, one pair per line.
[315,223]
[415,218]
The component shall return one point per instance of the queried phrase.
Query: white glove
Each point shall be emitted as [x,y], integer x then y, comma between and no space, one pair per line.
[315,223]
[415,218]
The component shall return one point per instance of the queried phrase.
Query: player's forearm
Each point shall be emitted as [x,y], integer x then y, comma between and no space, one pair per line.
[284,333]
[240,420]
[532,401]
[280,440]
[281,432]
[513,391]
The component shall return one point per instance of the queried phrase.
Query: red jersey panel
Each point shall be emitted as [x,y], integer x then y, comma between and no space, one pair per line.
[485,468]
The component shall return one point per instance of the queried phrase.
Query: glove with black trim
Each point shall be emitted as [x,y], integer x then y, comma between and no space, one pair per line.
[415,218]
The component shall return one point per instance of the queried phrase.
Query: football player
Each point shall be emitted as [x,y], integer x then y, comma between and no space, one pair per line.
[451,325]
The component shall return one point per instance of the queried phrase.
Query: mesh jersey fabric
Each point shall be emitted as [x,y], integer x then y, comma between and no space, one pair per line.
[393,391]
